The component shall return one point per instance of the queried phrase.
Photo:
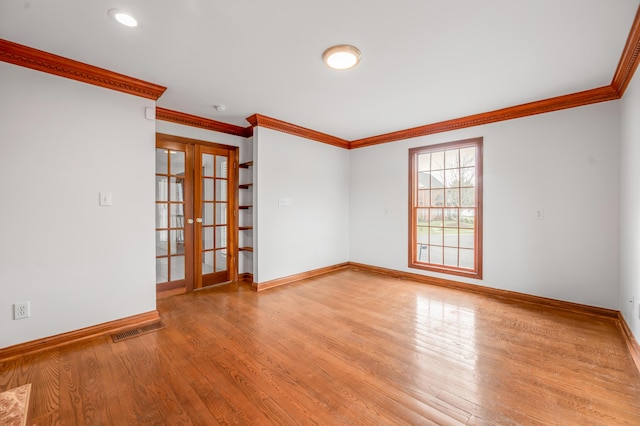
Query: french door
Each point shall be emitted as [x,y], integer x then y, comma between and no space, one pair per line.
[196,228]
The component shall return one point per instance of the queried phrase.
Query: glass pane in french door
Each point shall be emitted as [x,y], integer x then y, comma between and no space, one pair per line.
[214,212]
[170,215]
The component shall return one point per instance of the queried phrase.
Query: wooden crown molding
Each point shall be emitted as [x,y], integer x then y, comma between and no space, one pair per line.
[573,100]
[627,66]
[203,123]
[35,59]
[629,59]
[587,97]
[282,126]
[29,57]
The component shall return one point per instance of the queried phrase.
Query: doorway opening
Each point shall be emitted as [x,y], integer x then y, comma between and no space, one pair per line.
[196,223]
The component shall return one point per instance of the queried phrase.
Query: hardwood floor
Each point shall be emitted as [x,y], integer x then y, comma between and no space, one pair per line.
[350,347]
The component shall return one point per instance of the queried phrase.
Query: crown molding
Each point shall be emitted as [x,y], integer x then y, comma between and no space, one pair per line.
[602,94]
[257,120]
[42,61]
[203,123]
[629,59]
[29,57]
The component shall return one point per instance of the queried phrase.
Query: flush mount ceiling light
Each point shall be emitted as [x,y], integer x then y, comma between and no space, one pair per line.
[124,18]
[341,57]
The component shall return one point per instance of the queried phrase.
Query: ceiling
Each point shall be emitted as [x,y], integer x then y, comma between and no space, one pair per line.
[423,61]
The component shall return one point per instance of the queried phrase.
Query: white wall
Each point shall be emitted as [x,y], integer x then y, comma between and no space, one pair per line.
[313,232]
[564,162]
[79,264]
[630,207]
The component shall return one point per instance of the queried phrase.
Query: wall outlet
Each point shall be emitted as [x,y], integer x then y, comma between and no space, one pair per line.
[21,310]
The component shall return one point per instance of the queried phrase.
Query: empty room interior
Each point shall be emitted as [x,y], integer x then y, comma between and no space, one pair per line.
[286,212]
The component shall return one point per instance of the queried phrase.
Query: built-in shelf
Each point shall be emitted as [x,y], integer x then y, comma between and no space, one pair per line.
[245,227]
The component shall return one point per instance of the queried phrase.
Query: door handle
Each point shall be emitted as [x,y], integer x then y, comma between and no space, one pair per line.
[190,221]
[199,219]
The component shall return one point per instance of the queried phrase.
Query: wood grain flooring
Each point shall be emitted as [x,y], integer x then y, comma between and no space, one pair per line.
[350,347]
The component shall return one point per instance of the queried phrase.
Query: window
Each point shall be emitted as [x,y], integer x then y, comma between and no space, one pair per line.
[445,198]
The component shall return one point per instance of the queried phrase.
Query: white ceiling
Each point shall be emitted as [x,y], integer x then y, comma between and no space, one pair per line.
[423,61]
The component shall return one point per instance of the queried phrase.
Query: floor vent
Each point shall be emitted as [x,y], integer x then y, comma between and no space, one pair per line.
[128,334]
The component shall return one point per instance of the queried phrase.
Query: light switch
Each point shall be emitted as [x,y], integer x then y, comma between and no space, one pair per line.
[539,214]
[284,202]
[105,198]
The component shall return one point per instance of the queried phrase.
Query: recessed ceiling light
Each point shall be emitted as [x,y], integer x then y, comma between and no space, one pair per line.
[124,18]
[341,57]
